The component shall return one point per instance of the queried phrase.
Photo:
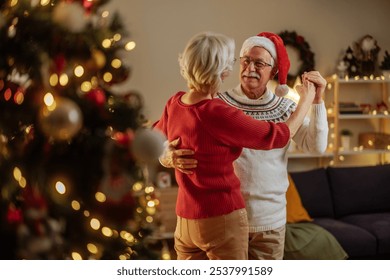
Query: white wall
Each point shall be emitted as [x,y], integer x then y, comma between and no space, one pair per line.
[161,29]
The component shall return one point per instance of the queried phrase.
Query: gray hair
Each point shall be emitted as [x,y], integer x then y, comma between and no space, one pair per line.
[205,58]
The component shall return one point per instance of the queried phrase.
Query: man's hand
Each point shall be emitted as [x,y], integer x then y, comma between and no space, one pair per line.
[319,82]
[172,158]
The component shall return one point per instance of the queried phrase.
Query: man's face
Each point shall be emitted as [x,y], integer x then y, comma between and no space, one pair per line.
[255,71]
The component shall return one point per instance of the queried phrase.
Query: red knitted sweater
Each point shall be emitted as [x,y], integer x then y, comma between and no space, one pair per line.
[217,133]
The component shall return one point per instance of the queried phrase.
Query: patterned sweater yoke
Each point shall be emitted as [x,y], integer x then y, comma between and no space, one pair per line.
[268,108]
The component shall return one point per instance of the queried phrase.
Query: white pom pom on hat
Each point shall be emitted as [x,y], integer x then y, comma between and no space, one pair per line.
[275,46]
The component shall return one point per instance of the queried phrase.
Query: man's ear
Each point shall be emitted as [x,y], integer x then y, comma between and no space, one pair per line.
[274,72]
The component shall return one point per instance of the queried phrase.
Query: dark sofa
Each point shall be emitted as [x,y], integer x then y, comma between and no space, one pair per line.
[352,203]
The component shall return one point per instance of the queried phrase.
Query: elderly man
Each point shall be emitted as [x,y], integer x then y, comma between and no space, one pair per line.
[263,174]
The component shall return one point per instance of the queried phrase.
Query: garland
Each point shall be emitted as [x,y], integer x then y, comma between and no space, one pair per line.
[305,54]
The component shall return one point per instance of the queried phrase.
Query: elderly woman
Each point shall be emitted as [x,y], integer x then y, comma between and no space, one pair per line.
[211,216]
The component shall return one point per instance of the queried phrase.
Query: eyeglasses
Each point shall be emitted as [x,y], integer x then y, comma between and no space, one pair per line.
[259,64]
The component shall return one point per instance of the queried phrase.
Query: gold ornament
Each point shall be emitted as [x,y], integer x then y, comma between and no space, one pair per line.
[61,121]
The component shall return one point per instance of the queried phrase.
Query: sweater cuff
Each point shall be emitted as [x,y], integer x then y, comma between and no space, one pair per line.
[318,109]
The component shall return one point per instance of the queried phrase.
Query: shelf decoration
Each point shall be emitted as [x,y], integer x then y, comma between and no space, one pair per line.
[374,140]
[306,56]
[361,59]
[385,65]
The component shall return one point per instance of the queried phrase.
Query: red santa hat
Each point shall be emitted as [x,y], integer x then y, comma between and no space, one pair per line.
[275,46]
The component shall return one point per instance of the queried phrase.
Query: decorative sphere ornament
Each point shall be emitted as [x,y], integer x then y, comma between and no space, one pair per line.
[61,121]
[70,16]
[147,145]
[97,97]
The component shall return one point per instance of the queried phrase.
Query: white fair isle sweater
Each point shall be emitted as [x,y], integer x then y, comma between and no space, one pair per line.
[263,174]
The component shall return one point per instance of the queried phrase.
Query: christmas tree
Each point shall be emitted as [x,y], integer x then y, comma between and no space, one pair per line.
[74,182]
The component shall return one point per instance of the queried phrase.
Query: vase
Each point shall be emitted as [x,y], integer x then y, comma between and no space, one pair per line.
[346,142]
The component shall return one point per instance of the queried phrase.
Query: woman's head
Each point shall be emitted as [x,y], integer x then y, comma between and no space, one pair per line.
[206,60]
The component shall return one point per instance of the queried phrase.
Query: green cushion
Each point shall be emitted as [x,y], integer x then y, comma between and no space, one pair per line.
[307,241]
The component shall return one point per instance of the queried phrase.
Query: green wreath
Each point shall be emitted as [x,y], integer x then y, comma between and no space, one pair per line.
[305,54]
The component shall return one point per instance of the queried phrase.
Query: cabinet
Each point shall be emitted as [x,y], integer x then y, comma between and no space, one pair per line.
[361,107]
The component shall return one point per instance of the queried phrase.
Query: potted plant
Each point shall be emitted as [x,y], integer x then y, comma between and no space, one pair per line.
[345,137]
[385,65]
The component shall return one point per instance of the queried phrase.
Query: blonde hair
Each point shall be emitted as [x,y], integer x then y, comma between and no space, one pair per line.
[205,58]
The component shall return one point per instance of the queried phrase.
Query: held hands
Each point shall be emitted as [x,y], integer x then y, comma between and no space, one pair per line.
[176,158]
[306,91]
[319,82]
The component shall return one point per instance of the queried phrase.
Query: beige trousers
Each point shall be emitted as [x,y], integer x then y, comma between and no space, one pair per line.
[217,238]
[267,245]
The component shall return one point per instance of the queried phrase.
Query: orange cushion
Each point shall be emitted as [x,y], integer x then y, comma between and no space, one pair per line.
[295,211]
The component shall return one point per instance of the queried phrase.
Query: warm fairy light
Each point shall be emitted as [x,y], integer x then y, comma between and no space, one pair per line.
[106,231]
[60,187]
[130,46]
[13,3]
[53,80]
[123,257]
[48,99]
[127,236]
[101,197]
[341,158]
[86,86]
[64,79]
[22,182]
[331,125]
[76,256]
[107,77]
[139,210]
[116,63]
[149,189]
[75,205]
[105,14]
[165,255]
[86,213]
[7,94]
[95,223]
[17,173]
[370,143]
[78,71]
[151,210]
[92,248]
[117,37]
[151,203]
[19,97]
[137,186]
[332,135]
[106,43]
[149,219]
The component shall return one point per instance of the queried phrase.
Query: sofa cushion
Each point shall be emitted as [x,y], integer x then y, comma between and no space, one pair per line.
[308,241]
[314,191]
[356,241]
[360,189]
[376,223]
